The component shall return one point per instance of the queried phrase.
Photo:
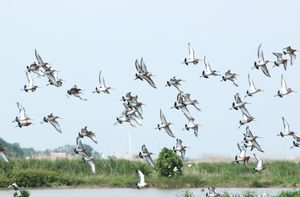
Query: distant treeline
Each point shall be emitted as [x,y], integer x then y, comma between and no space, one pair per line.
[15,151]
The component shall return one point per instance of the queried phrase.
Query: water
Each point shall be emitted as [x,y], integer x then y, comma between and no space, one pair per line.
[151,192]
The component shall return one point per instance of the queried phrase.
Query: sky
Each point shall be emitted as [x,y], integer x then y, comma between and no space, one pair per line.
[79,38]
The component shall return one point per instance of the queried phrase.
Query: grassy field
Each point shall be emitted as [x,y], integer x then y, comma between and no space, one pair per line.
[123,173]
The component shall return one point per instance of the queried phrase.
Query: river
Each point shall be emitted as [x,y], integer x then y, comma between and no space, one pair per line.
[150,192]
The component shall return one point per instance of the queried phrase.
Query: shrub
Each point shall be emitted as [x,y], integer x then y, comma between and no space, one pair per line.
[168,163]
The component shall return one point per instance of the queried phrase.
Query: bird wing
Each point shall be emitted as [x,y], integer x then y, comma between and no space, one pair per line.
[191,52]
[251,83]
[227,73]
[286,125]
[4,156]
[22,113]
[259,161]
[169,132]
[162,117]
[92,164]
[56,125]
[265,70]
[187,113]
[182,152]
[296,137]
[138,66]
[150,81]
[258,51]
[38,57]
[100,77]
[245,111]
[144,149]
[283,85]
[29,79]
[237,98]
[143,66]
[79,143]
[278,55]
[103,81]
[149,161]
[187,97]
[178,143]
[248,132]
[254,142]
[142,177]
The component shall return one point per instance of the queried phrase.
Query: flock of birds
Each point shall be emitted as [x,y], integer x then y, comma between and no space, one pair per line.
[133,107]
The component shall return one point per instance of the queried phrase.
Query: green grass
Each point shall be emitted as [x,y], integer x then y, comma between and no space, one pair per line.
[123,173]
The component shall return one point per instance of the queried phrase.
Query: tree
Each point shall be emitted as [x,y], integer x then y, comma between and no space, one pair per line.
[169,163]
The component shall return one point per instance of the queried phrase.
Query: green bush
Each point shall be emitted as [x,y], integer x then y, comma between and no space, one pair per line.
[169,163]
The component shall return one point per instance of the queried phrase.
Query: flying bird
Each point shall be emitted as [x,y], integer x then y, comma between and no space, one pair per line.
[102,86]
[146,155]
[247,118]
[52,119]
[242,157]
[141,184]
[174,82]
[261,62]
[252,89]
[30,85]
[164,125]
[77,92]
[192,125]
[86,158]
[188,101]
[22,119]
[231,77]
[180,148]
[84,132]
[143,72]
[286,129]
[208,71]
[260,166]
[191,59]
[284,90]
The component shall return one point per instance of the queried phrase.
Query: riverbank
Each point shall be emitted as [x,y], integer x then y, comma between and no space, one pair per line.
[123,173]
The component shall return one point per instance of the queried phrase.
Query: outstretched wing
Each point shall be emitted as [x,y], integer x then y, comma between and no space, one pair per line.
[178,143]
[286,125]
[38,57]
[258,51]
[265,70]
[4,156]
[55,124]
[251,83]
[169,132]
[22,113]
[142,177]
[150,81]
[162,117]
[144,149]
[100,77]
[29,79]
[143,65]
[283,85]
[191,52]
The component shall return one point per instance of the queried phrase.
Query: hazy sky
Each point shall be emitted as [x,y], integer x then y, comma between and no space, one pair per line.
[81,37]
